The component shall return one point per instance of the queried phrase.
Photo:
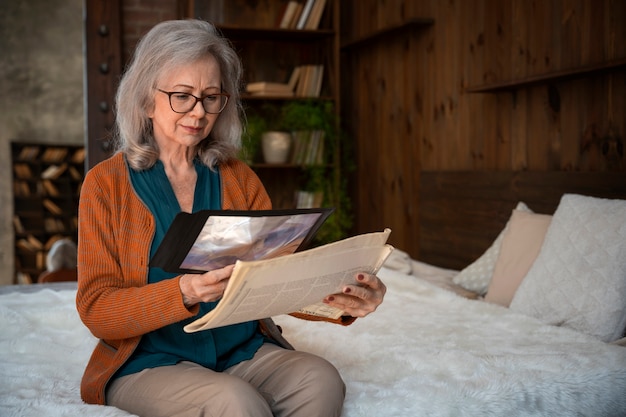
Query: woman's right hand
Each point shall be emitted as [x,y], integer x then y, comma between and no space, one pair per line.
[205,287]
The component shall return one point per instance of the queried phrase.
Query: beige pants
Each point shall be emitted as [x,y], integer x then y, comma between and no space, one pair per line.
[275,382]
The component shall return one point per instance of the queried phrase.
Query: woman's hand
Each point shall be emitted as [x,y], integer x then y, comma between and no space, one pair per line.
[206,287]
[361,299]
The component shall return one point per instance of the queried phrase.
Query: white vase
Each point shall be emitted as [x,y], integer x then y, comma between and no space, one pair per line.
[276,146]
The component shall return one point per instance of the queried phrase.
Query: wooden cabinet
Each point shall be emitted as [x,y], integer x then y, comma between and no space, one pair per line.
[46,186]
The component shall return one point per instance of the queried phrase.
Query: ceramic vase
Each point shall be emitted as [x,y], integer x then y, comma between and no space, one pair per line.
[276,146]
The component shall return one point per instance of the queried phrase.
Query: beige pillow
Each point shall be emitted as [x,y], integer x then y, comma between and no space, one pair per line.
[521,244]
[477,276]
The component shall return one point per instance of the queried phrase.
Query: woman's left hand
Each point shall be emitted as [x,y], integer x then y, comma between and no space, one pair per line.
[360,299]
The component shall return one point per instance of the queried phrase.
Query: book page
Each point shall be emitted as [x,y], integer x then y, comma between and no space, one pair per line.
[266,288]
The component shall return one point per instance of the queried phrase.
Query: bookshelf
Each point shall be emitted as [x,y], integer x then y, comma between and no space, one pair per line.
[274,47]
[46,187]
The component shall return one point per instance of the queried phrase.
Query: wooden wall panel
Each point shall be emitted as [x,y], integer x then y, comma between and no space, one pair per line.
[384,115]
[545,127]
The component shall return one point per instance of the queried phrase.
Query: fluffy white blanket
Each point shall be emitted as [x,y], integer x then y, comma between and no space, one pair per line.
[425,352]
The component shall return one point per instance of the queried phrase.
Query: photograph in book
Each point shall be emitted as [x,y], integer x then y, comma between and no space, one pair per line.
[211,239]
[296,283]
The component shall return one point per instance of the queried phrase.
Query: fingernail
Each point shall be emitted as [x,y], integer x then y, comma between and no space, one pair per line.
[329,299]
[347,290]
[360,277]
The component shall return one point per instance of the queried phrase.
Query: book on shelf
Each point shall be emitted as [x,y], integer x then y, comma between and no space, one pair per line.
[310,82]
[315,16]
[30,244]
[79,156]
[308,147]
[21,188]
[298,138]
[34,242]
[269,88]
[318,77]
[17,224]
[304,15]
[289,12]
[40,260]
[309,199]
[303,80]
[272,94]
[294,78]
[54,171]
[54,154]
[293,21]
[24,278]
[315,154]
[50,188]
[52,206]
[22,171]
[25,245]
[28,153]
[52,225]
[75,173]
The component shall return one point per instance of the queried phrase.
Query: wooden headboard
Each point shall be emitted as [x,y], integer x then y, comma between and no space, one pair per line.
[461,213]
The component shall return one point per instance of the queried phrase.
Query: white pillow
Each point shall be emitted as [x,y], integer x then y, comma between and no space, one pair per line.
[477,276]
[579,277]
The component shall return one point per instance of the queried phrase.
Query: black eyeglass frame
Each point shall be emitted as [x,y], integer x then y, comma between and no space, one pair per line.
[198,99]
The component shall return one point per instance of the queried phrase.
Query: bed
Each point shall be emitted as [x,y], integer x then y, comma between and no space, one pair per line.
[435,347]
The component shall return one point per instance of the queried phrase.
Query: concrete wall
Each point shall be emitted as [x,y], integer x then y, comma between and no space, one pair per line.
[41,90]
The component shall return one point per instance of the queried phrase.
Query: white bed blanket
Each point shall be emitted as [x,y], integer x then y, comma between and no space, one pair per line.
[425,352]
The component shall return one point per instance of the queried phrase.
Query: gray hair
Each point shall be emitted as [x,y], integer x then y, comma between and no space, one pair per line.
[168,45]
[62,255]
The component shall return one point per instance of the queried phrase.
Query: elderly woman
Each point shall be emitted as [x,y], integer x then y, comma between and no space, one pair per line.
[178,117]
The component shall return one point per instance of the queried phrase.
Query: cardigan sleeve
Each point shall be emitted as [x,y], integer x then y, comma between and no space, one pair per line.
[115,233]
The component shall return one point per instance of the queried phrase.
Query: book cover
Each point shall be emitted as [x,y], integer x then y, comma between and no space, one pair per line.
[315,17]
[263,86]
[304,16]
[289,11]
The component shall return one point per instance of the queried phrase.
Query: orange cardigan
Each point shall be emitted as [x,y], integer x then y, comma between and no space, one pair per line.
[115,235]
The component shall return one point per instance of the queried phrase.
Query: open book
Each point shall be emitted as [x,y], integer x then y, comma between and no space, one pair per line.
[296,283]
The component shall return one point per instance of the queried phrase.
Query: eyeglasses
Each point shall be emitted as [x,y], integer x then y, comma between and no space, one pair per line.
[185,102]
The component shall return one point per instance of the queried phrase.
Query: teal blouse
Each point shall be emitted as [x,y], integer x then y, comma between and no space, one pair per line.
[215,349]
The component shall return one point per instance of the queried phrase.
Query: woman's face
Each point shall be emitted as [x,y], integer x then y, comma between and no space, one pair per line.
[200,78]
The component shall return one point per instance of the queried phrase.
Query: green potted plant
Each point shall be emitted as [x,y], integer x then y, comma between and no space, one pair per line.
[324,177]
[272,136]
[254,126]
